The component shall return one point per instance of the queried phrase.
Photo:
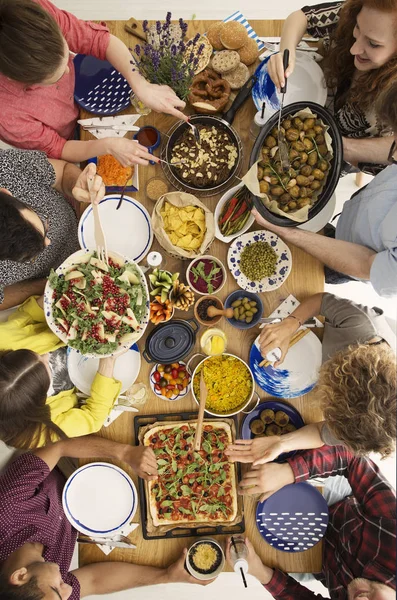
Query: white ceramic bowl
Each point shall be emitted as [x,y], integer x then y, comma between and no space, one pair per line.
[205,576]
[48,302]
[196,260]
[218,210]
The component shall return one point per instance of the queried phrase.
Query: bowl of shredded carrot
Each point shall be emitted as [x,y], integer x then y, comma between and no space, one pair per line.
[113,173]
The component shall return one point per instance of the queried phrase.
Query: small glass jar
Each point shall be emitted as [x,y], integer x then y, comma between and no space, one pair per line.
[139,106]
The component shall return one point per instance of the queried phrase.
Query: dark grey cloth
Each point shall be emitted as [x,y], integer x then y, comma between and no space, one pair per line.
[29,176]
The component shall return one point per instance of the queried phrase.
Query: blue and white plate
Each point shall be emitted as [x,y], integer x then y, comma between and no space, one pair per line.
[305,83]
[99,499]
[82,370]
[283,266]
[296,376]
[128,230]
[293,519]
[99,88]
[294,418]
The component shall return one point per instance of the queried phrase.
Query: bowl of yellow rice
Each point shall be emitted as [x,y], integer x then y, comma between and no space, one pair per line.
[229,382]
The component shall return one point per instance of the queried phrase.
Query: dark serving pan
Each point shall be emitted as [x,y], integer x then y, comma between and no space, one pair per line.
[186,531]
[223,122]
[336,164]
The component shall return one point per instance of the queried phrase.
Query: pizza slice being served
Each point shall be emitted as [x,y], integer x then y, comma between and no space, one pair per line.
[192,487]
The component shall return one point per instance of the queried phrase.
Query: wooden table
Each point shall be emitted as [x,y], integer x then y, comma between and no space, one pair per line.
[307,278]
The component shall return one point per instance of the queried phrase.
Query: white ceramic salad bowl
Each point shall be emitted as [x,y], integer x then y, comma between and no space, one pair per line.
[69,327]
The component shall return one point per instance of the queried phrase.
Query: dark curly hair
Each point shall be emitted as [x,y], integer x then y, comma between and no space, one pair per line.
[19,239]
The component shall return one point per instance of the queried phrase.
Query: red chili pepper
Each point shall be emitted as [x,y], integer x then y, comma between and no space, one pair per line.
[229,209]
[241,210]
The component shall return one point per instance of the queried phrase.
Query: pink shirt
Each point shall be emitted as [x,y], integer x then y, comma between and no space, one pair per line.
[44,117]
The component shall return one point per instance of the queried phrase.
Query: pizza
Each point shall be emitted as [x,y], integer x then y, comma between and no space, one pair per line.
[192,487]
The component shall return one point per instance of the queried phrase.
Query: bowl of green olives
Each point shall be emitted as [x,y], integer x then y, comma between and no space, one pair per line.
[247,309]
[313,172]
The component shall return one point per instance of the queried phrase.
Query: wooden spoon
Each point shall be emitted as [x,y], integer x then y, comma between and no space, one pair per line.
[212,311]
[200,418]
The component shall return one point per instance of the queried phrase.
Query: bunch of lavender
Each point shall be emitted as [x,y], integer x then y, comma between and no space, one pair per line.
[169,60]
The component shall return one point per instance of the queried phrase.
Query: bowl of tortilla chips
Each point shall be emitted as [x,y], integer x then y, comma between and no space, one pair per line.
[183,225]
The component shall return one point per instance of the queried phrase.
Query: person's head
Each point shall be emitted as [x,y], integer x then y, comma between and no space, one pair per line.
[365,40]
[357,393]
[32,48]
[23,235]
[26,576]
[24,415]
[366,589]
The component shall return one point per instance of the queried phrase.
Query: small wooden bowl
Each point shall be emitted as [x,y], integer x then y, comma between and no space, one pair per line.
[214,320]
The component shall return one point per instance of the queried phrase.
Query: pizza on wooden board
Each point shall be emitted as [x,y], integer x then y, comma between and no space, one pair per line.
[192,487]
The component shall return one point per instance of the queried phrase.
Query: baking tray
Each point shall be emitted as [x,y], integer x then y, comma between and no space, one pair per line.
[181,532]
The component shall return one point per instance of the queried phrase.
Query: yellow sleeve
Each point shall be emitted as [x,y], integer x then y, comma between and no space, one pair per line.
[90,417]
[26,328]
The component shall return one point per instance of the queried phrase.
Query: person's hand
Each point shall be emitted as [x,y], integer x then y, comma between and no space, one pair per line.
[277,335]
[257,451]
[128,152]
[142,459]
[275,68]
[262,222]
[177,573]
[160,98]
[266,480]
[256,568]
[80,191]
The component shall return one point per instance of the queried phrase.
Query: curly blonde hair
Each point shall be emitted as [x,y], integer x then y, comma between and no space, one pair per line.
[357,393]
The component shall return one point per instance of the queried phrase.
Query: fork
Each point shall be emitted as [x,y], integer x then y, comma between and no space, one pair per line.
[115,541]
[100,241]
[170,164]
[196,132]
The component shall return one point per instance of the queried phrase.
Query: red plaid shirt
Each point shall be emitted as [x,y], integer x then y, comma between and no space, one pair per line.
[360,540]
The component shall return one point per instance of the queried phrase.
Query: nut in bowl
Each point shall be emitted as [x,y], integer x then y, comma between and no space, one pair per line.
[96,308]
[205,559]
[206,275]
[170,382]
[247,309]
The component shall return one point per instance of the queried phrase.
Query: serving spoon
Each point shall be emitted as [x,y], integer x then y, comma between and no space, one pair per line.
[200,418]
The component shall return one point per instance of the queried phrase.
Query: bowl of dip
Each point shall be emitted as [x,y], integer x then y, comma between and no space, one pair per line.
[205,559]
[206,275]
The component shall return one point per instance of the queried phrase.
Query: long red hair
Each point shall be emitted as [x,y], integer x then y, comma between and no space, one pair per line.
[339,64]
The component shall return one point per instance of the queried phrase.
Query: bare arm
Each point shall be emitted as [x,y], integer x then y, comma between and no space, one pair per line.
[293,30]
[140,458]
[352,259]
[17,293]
[159,98]
[124,150]
[367,150]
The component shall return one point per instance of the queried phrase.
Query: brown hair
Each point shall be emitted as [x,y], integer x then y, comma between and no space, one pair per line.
[28,591]
[24,414]
[19,239]
[357,392]
[31,44]
[339,63]
[386,106]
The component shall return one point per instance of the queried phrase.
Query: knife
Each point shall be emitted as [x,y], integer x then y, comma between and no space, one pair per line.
[267,320]
[102,542]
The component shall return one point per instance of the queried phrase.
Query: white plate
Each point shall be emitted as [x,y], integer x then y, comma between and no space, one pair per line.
[82,370]
[305,84]
[48,302]
[218,209]
[99,499]
[296,376]
[283,266]
[128,230]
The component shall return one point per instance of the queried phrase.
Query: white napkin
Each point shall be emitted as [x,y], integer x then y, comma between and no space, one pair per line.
[125,531]
[113,416]
[287,307]
[120,120]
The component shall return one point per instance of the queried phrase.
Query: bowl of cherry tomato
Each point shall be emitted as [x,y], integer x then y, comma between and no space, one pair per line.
[170,382]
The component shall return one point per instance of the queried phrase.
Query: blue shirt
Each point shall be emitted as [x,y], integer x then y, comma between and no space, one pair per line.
[369,218]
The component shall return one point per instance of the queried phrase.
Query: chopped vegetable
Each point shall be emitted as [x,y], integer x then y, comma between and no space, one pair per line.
[112,172]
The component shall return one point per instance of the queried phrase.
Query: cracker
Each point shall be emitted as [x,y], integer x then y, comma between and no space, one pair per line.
[237,77]
[225,61]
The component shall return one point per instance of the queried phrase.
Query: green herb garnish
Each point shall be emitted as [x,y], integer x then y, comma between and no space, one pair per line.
[199,271]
